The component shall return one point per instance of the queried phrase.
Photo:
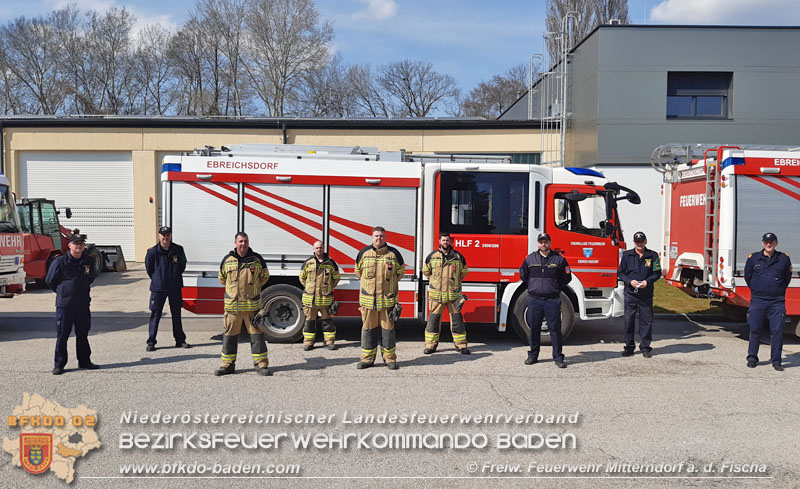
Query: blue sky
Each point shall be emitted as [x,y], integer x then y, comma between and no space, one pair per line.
[469,39]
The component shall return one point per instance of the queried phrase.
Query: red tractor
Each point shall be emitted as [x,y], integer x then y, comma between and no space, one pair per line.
[45,238]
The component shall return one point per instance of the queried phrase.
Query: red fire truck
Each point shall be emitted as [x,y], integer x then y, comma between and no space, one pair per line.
[287,196]
[12,273]
[718,202]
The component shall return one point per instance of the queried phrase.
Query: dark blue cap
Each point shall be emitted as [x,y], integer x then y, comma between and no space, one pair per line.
[76,238]
[769,237]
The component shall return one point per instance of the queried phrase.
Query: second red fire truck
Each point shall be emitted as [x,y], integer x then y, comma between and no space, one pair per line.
[718,202]
[288,196]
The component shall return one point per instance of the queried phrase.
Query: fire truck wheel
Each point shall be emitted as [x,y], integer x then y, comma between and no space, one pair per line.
[281,313]
[519,322]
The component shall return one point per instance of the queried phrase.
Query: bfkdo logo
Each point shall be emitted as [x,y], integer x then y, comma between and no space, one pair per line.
[36,451]
[52,438]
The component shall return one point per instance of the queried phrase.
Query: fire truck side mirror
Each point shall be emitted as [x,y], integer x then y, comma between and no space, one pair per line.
[68,211]
[633,198]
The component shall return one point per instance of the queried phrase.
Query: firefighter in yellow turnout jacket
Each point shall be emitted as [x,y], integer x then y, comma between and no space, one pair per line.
[243,272]
[445,268]
[319,277]
[379,267]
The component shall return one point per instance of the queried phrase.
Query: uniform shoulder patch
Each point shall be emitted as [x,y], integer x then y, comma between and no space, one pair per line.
[750,255]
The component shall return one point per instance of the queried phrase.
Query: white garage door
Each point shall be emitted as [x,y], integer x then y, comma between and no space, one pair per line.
[97,186]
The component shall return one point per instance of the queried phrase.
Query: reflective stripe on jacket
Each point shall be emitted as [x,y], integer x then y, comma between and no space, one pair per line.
[243,278]
[379,271]
[446,271]
[319,278]
[545,275]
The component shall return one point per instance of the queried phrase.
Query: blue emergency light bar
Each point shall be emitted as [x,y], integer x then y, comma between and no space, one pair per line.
[585,171]
[170,167]
[733,160]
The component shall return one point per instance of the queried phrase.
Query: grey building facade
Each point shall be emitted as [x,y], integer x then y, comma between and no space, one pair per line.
[632,88]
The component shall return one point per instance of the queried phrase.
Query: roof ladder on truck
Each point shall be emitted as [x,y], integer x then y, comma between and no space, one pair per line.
[710,224]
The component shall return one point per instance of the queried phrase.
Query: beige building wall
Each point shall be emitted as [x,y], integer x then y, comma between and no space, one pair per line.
[146,144]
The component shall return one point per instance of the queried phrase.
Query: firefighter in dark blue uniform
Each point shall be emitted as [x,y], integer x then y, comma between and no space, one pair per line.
[639,269]
[165,263]
[70,276]
[545,272]
[767,273]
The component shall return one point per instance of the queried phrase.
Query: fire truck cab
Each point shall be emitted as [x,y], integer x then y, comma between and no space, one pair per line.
[718,202]
[12,273]
[288,196]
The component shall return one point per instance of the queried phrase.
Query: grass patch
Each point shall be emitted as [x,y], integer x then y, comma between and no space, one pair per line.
[671,300]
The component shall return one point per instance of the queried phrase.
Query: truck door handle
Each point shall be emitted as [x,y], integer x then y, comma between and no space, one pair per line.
[284,179]
[373,181]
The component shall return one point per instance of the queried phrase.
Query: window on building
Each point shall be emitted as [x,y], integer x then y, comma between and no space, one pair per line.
[698,94]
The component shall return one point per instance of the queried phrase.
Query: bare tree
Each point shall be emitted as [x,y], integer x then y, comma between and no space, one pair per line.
[328,91]
[590,14]
[415,88]
[370,98]
[490,99]
[154,70]
[12,97]
[286,40]
[33,58]
[186,56]
[109,38]
[224,51]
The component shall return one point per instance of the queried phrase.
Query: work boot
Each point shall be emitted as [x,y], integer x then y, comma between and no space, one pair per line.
[751,364]
[779,368]
[363,365]
[392,365]
[627,353]
[263,369]
[647,353]
[150,347]
[463,351]
[561,364]
[183,345]
[530,361]
[308,347]
[225,369]
[58,370]
[428,351]
[89,366]
[331,346]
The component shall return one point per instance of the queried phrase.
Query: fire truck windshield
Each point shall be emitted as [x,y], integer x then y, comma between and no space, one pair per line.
[584,213]
[9,220]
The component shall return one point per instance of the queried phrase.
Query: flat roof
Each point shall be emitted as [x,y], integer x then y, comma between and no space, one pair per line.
[432,123]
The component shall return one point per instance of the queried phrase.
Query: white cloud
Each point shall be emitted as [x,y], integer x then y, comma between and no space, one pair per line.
[142,19]
[376,10]
[727,12]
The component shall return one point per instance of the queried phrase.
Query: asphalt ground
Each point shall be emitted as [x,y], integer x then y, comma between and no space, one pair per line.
[693,402]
